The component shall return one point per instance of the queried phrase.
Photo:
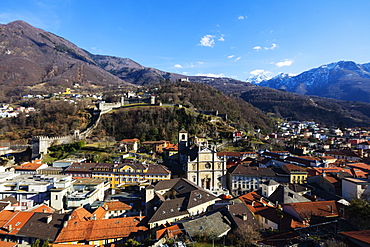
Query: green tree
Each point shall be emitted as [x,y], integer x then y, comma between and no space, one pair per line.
[131,243]
[36,243]
[358,213]
[46,243]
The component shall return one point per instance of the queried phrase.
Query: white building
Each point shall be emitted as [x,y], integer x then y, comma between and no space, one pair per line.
[353,188]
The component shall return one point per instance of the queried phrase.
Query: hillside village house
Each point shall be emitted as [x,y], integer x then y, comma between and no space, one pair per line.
[129,144]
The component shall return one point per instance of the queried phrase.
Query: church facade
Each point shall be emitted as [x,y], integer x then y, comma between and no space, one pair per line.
[202,165]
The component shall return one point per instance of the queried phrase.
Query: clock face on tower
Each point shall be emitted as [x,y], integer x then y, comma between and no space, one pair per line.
[208,165]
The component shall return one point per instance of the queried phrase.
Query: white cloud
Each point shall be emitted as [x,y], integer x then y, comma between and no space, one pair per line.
[286,62]
[191,65]
[231,56]
[221,38]
[210,75]
[258,72]
[242,17]
[200,62]
[273,47]
[178,65]
[185,73]
[238,58]
[207,40]
[257,48]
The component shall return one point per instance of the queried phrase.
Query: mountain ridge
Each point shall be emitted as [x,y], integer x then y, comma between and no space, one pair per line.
[343,80]
[30,56]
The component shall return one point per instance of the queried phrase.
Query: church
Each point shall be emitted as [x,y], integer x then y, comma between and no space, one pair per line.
[201,163]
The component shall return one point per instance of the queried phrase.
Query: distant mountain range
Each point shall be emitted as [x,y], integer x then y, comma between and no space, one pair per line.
[35,61]
[343,80]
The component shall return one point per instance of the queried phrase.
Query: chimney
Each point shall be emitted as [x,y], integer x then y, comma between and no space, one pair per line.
[65,224]
[49,218]
[244,216]
[94,217]
[10,228]
[141,217]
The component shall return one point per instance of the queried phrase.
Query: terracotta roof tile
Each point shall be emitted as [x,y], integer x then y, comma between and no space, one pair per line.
[93,230]
[8,244]
[171,232]
[42,209]
[15,223]
[29,166]
[129,140]
[363,236]
[116,205]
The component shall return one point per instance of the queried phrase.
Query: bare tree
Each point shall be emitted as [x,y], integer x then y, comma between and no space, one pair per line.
[247,236]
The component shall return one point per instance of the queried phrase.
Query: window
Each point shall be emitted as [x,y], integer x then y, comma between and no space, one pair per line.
[56,197]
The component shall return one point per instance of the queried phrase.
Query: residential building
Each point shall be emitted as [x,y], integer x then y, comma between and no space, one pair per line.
[296,174]
[156,146]
[243,178]
[30,168]
[129,144]
[83,191]
[29,190]
[84,227]
[172,200]
[80,170]
[306,211]
[353,188]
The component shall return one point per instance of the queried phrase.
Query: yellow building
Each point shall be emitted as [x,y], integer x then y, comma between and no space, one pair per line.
[121,175]
[297,174]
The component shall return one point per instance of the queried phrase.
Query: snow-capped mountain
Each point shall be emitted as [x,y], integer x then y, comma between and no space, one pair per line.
[256,79]
[344,80]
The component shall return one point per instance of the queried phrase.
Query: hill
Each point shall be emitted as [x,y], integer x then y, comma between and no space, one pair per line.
[301,107]
[156,123]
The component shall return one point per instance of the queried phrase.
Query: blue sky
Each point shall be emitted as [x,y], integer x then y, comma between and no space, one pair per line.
[236,38]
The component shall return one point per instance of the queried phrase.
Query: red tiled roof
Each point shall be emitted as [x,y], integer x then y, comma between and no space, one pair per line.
[318,208]
[130,140]
[291,167]
[172,147]
[116,205]
[363,236]
[309,158]
[93,230]
[171,231]
[8,244]
[100,212]
[15,222]
[29,166]
[253,201]
[42,209]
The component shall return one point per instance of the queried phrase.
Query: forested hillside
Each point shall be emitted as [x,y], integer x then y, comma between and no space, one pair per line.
[299,107]
[164,122]
[55,118]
